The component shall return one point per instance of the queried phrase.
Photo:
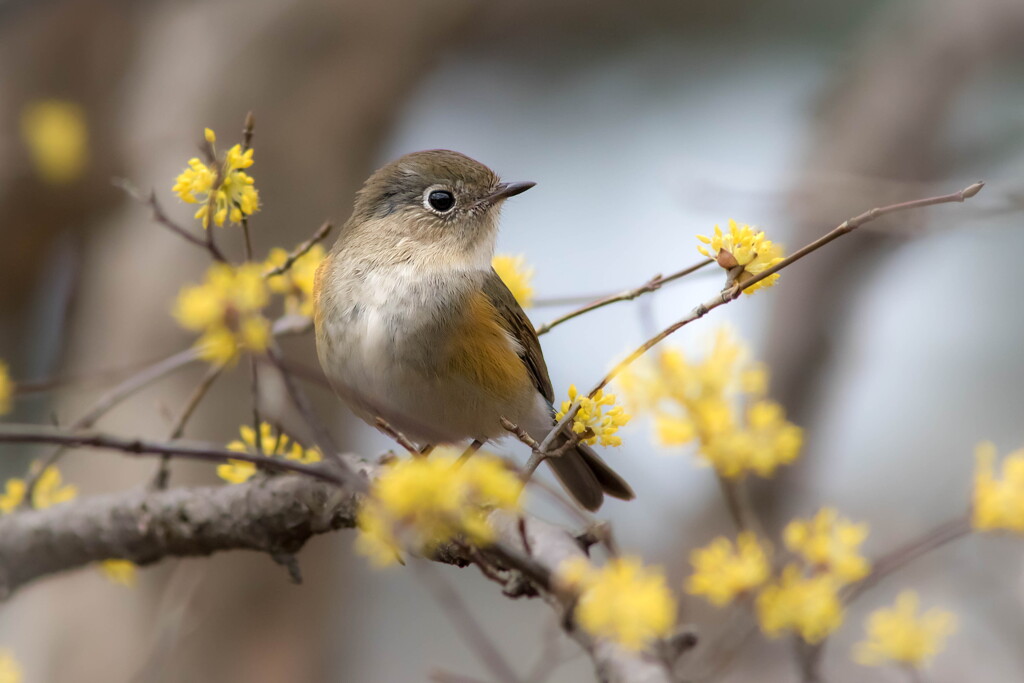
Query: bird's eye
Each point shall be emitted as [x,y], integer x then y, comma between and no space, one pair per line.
[441,201]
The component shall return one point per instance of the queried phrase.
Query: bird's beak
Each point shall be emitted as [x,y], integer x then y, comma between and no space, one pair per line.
[504,191]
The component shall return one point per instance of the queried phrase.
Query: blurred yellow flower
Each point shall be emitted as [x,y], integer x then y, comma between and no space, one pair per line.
[236,471]
[235,196]
[593,416]
[900,635]
[228,309]
[50,490]
[742,246]
[516,275]
[998,502]
[806,605]
[6,389]
[13,495]
[57,138]
[121,572]
[718,402]
[622,601]
[721,571]
[296,283]
[830,542]
[271,443]
[10,670]
[421,503]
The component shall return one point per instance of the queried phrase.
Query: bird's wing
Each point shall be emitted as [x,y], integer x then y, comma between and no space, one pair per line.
[515,322]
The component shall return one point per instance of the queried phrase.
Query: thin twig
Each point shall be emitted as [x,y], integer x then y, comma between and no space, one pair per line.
[321,434]
[401,439]
[215,371]
[82,438]
[907,553]
[651,285]
[469,452]
[732,293]
[465,623]
[247,131]
[111,399]
[300,251]
[100,377]
[161,217]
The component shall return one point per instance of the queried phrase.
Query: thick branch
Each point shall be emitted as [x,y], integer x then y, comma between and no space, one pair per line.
[278,515]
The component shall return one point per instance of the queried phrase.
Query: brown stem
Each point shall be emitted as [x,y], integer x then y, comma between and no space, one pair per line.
[160,481]
[731,294]
[651,285]
[300,250]
[161,218]
[82,438]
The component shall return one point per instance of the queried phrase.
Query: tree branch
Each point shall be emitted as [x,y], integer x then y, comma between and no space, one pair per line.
[277,515]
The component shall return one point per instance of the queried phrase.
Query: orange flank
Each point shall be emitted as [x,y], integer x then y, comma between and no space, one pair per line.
[484,354]
[318,287]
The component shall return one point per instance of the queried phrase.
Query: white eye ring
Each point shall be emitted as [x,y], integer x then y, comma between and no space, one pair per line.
[439,198]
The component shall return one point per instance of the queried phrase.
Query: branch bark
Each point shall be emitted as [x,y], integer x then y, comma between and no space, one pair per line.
[278,515]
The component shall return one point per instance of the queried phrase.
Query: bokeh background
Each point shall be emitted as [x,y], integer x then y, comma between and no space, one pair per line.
[643,123]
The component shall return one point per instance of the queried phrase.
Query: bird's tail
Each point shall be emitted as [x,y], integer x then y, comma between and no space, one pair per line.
[587,477]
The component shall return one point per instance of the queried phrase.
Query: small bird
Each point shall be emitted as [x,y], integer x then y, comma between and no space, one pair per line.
[414,326]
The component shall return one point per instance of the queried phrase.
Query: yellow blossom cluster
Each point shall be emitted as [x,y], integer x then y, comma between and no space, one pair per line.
[998,502]
[719,402]
[6,389]
[10,670]
[234,197]
[806,604]
[723,571]
[49,490]
[830,543]
[57,138]
[593,419]
[804,597]
[743,248]
[270,443]
[296,283]
[516,275]
[900,635]
[622,601]
[228,309]
[420,503]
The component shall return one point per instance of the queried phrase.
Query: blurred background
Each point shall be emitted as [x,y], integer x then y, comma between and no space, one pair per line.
[643,123]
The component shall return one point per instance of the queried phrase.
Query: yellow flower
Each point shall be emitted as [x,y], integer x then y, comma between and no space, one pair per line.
[719,403]
[806,605]
[721,572]
[296,283]
[592,416]
[899,635]
[10,671]
[236,471]
[12,496]
[998,503]
[57,138]
[234,198]
[6,389]
[830,542]
[742,246]
[50,491]
[516,275]
[121,572]
[228,309]
[271,443]
[421,503]
[622,601]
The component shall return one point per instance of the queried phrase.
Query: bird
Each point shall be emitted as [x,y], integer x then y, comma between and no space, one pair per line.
[415,328]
